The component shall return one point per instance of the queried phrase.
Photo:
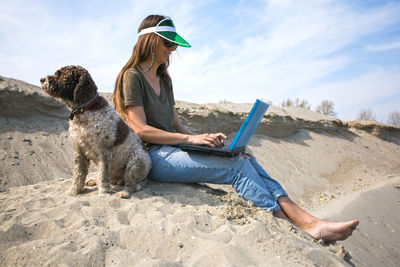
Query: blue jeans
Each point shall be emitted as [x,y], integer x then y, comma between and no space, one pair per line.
[250,180]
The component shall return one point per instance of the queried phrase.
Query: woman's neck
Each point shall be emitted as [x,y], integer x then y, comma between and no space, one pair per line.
[145,68]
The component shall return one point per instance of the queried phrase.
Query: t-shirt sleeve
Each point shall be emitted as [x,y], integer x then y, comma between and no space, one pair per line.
[133,89]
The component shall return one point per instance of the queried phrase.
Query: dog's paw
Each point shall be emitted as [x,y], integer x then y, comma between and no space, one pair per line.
[91,182]
[122,194]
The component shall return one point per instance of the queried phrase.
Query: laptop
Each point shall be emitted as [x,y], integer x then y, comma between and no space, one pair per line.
[241,139]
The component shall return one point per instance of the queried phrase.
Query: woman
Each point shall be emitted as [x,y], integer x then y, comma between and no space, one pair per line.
[143,96]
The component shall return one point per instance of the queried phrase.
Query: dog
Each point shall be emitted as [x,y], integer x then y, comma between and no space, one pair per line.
[98,134]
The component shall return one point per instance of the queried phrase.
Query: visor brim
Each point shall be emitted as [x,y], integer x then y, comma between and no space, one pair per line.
[175,38]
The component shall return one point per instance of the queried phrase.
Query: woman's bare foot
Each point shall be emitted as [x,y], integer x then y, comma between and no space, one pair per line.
[331,232]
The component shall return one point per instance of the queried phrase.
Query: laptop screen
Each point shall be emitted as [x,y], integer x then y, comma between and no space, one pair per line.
[249,125]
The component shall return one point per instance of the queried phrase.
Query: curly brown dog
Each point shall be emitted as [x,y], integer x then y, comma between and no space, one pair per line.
[98,134]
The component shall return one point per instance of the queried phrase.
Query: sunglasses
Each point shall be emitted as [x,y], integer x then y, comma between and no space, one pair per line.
[169,44]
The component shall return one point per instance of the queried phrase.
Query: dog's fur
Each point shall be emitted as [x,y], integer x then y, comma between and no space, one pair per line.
[98,135]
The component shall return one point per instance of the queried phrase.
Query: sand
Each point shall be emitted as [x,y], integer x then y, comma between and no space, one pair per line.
[334,169]
[376,242]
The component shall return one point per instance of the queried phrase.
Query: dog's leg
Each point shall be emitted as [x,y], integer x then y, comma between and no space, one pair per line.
[136,171]
[104,167]
[80,171]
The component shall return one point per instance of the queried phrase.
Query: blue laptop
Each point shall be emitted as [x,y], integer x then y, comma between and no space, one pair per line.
[242,137]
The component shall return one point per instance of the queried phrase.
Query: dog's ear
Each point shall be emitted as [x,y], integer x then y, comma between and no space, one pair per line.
[85,89]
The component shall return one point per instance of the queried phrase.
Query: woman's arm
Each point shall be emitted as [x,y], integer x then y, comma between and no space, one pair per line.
[136,119]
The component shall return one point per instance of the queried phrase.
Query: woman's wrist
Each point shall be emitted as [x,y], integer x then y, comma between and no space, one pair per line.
[186,138]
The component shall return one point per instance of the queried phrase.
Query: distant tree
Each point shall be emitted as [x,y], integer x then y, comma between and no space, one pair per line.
[225,102]
[287,103]
[296,103]
[302,103]
[366,115]
[394,118]
[327,108]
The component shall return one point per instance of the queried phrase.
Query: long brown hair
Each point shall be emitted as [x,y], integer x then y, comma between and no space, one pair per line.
[142,50]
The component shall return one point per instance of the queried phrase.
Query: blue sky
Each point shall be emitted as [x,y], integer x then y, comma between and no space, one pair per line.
[344,51]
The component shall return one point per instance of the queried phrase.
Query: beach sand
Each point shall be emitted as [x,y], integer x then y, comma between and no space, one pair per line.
[377,240]
[334,169]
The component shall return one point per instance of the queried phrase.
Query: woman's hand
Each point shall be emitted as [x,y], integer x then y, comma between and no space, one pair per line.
[212,140]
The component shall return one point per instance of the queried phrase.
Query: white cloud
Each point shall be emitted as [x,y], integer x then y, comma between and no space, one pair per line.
[383,46]
[378,90]
[286,50]
[42,37]
[267,49]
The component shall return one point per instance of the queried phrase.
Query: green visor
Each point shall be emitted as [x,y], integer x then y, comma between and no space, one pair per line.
[166,29]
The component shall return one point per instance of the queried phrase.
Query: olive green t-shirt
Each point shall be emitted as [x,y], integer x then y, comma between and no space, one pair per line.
[158,109]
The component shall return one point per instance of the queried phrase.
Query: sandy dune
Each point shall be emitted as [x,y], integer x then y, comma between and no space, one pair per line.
[337,170]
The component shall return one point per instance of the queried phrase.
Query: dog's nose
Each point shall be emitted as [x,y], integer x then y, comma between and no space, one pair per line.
[42,80]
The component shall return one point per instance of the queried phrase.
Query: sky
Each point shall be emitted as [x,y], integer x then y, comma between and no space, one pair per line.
[347,52]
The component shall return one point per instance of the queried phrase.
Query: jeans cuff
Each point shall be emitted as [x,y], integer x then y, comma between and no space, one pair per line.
[274,208]
[278,193]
